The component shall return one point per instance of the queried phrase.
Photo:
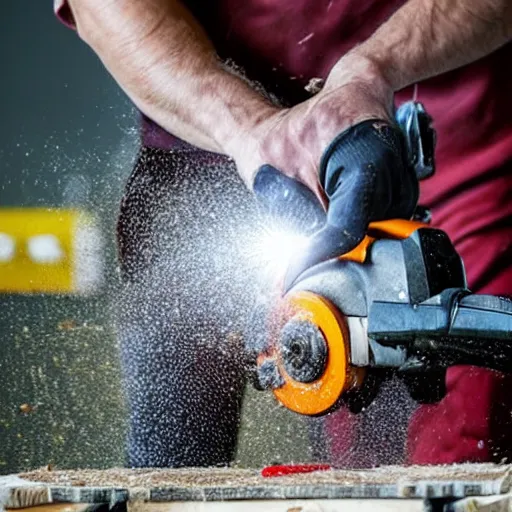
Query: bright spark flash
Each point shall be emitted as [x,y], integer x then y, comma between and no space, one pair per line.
[275,248]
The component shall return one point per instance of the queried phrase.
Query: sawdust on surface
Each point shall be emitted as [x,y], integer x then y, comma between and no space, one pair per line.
[227,477]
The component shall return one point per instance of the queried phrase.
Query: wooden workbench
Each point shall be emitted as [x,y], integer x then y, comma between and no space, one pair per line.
[483,487]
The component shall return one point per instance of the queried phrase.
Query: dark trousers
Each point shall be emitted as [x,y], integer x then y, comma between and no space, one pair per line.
[184,302]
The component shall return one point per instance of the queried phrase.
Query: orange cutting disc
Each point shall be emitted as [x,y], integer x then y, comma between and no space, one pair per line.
[317,397]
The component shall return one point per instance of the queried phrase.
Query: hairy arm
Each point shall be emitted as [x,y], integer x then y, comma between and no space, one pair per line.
[164,61]
[425,38]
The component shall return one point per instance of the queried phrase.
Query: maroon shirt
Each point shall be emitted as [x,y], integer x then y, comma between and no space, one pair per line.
[283,44]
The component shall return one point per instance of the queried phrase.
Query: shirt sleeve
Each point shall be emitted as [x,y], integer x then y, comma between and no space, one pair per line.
[63,12]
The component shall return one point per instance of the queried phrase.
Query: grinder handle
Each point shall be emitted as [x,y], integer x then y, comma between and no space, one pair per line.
[420,137]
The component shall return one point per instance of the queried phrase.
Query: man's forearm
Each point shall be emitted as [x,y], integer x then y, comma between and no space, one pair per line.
[425,38]
[165,63]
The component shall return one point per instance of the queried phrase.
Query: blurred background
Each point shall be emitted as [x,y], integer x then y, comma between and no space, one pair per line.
[68,140]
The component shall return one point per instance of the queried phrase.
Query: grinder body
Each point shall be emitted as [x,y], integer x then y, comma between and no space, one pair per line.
[398,304]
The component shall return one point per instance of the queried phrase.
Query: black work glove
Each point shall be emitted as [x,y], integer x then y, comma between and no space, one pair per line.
[366,175]
[288,201]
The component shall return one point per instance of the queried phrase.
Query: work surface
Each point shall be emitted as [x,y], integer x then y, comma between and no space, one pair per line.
[152,485]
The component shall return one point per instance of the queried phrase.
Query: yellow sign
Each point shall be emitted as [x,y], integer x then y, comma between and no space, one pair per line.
[48,251]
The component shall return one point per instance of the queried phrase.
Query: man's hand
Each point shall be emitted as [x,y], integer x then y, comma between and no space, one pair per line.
[345,147]
[293,140]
